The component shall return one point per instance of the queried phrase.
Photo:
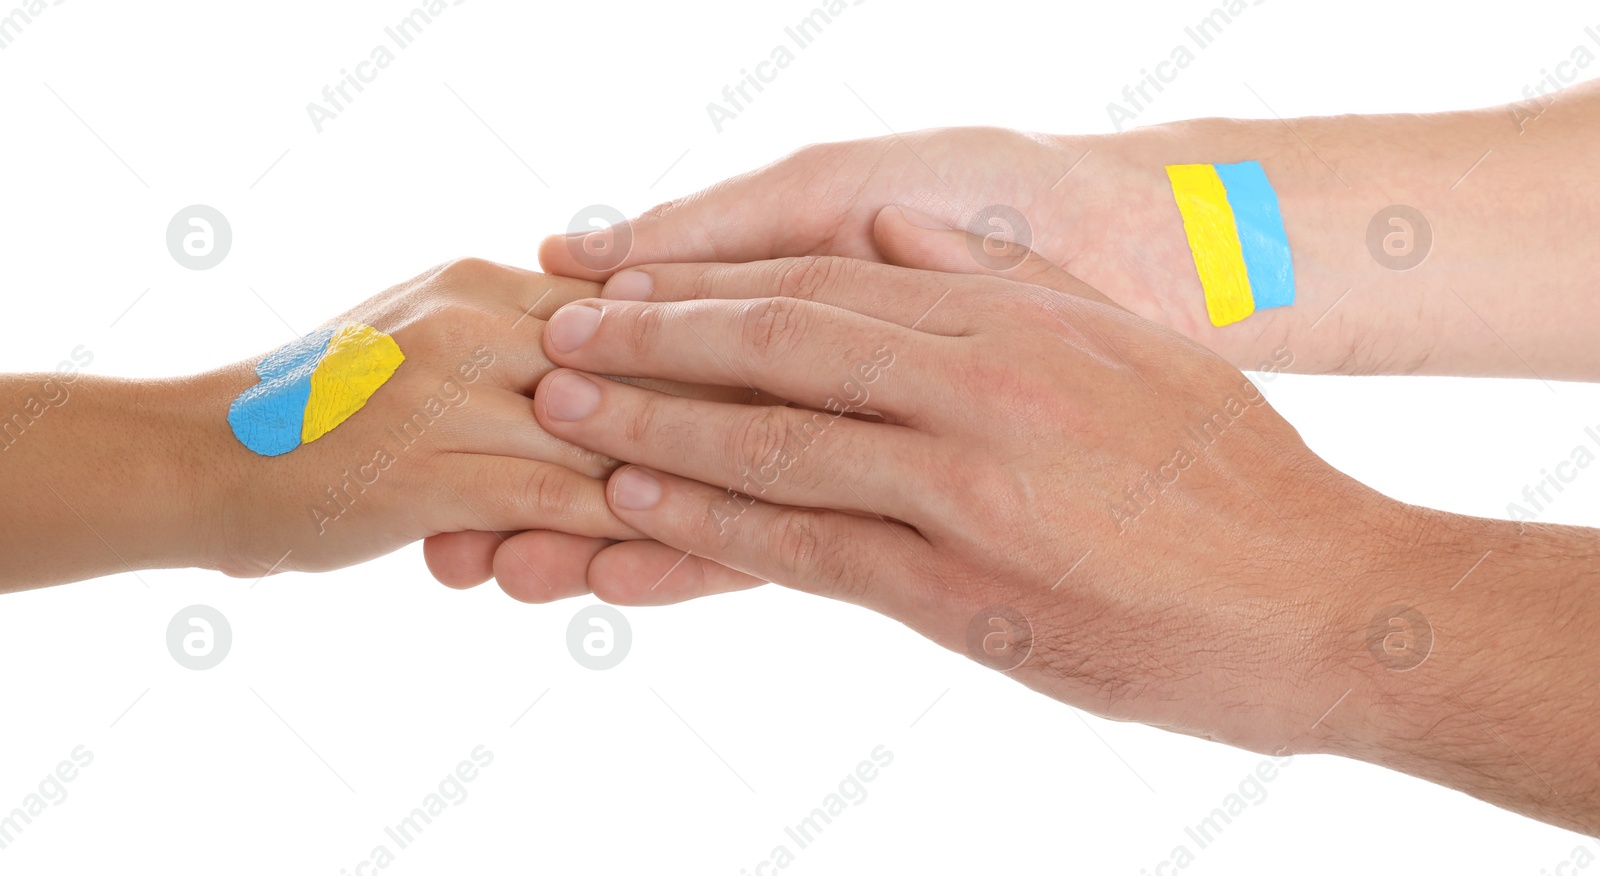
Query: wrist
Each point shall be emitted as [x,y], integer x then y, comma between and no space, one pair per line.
[1391,654]
[1137,250]
[1331,176]
[186,469]
[111,476]
[1466,659]
[1339,560]
[1380,607]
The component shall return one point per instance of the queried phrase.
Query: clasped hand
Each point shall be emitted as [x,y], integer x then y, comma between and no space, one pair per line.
[959,452]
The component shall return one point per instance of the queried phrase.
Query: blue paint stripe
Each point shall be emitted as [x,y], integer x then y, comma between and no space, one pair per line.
[1261,234]
[267,417]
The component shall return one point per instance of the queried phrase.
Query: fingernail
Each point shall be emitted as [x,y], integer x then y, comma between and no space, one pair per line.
[628,286]
[571,326]
[922,220]
[636,490]
[571,397]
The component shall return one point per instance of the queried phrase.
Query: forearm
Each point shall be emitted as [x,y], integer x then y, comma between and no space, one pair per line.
[1472,662]
[1505,287]
[97,478]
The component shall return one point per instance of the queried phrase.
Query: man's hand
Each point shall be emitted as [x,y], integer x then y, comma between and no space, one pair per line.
[1473,300]
[1035,479]
[1083,499]
[540,566]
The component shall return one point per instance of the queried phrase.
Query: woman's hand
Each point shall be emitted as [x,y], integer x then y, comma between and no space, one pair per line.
[125,475]
[444,445]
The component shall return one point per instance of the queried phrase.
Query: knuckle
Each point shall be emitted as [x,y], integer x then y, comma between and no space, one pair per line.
[452,327]
[548,492]
[642,424]
[422,280]
[1011,490]
[813,155]
[662,210]
[1000,385]
[806,277]
[643,326]
[467,270]
[722,517]
[801,547]
[759,439]
[772,327]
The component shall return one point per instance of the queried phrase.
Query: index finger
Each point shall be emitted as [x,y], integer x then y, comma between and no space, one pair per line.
[928,301]
[812,354]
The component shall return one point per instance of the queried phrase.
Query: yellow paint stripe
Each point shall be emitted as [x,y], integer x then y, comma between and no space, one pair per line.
[1214,239]
[358,360]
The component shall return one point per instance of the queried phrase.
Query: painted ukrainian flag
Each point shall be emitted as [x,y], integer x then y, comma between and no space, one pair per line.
[1235,231]
[311,385]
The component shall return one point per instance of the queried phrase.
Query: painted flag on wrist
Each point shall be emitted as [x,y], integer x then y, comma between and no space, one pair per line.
[1236,235]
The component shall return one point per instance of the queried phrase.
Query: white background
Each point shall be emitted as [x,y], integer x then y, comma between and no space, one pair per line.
[348,696]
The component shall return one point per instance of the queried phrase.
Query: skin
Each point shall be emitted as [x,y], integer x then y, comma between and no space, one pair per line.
[1257,597]
[143,474]
[1261,598]
[1511,238]
[1504,291]
[1495,708]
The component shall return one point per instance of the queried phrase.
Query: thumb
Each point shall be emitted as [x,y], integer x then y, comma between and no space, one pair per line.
[915,240]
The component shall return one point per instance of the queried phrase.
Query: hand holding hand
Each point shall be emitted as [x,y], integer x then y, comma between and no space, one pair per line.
[1043,481]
